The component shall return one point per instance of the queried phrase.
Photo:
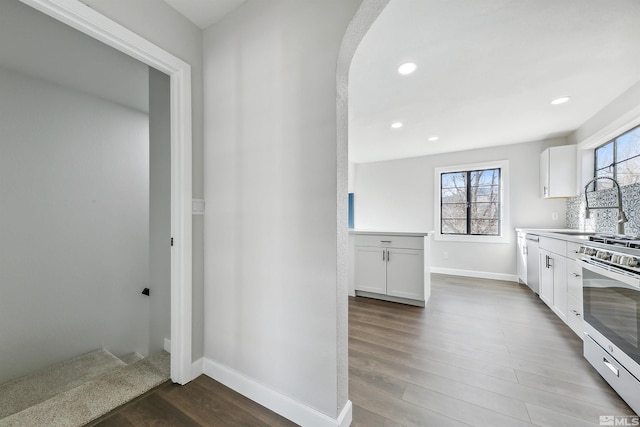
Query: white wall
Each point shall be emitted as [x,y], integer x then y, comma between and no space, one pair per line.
[40,46]
[398,195]
[270,173]
[74,255]
[159,23]
[159,209]
[622,114]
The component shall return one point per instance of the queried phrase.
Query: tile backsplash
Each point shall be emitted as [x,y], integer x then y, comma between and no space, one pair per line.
[605,220]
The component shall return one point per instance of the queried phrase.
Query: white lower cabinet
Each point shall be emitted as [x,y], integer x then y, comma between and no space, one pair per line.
[574,290]
[553,275]
[405,273]
[390,267]
[561,281]
[371,269]
[522,257]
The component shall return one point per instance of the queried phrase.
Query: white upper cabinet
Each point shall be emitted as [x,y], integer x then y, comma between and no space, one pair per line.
[558,172]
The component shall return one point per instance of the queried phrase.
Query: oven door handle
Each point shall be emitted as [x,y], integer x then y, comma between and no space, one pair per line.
[611,274]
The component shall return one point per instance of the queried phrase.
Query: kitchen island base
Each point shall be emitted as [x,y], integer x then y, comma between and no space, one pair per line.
[391,266]
[390,298]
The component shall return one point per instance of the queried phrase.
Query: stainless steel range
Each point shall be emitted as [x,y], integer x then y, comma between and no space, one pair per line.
[611,295]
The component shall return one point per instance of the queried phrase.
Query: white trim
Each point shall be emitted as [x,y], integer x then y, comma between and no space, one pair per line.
[477,274]
[346,415]
[504,202]
[616,128]
[279,403]
[197,368]
[167,345]
[92,23]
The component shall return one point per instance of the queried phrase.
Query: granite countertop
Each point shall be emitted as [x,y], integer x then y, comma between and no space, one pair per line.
[567,234]
[392,233]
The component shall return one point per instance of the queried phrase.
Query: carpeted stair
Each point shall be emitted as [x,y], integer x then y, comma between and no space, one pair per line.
[75,392]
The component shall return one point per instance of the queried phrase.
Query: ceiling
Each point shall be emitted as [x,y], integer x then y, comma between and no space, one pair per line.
[38,45]
[487,71]
[205,13]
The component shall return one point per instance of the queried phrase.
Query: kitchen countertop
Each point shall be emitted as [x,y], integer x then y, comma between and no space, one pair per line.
[568,234]
[391,233]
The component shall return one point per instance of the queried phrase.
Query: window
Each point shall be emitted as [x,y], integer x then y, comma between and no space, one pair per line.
[619,159]
[472,202]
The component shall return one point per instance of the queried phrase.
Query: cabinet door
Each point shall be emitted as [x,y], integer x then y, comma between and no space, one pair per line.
[558,171]
[521,258]
[405,273]
[544,174]
[559,266]
[546,277]
[370,269]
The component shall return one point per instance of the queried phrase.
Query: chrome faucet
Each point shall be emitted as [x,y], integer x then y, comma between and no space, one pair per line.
[622,217]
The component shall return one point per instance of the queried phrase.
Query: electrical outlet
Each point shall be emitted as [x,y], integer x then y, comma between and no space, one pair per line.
[554,216]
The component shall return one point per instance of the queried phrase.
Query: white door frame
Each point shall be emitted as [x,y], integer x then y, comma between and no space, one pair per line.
[82,18]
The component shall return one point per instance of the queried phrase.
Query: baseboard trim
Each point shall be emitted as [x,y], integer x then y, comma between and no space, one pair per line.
[478,274]
[197,368]
[346,415]
[279,403]
[167,345]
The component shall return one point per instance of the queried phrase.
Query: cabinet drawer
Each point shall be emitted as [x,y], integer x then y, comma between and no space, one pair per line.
[572,250]
[574,315]
[627,386]
[554,245]
[404,242]
[574,278]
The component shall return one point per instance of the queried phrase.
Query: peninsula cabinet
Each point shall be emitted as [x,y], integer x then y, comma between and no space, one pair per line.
[391,267]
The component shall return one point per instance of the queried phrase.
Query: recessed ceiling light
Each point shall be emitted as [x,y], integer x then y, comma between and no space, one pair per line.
[396,125]
[433,138]
[407,68]
[560,100]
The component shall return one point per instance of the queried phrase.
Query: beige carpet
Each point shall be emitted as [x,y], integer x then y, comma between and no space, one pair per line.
[87,401]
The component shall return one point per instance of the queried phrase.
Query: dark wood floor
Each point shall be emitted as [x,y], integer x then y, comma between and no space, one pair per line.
[482,353]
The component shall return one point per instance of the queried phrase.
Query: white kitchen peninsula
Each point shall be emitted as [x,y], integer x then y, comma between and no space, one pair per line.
[393,266]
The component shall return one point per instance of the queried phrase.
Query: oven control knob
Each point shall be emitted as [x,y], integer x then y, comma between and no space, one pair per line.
[603,255]
[633,262]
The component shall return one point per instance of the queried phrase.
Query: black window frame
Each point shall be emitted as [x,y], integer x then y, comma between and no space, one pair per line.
[468,209]
[604,184]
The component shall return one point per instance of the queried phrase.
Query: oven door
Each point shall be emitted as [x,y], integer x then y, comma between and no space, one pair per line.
[612,309]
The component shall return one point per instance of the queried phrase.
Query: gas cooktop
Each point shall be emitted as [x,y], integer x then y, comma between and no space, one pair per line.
[613,249]
[617,240]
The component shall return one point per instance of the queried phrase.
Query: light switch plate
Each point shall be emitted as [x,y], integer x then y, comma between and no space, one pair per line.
[197,206]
